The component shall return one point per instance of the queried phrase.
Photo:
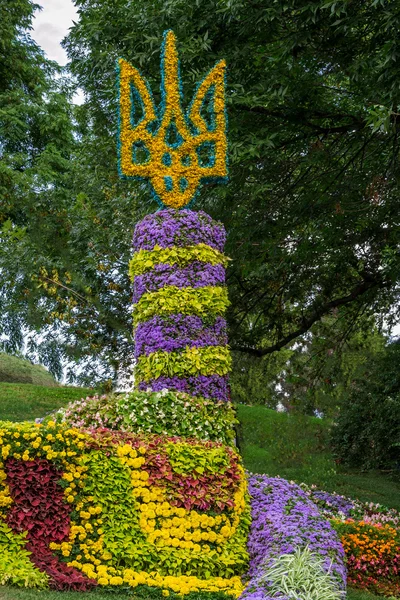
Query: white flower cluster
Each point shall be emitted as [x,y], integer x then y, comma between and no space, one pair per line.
[163,413]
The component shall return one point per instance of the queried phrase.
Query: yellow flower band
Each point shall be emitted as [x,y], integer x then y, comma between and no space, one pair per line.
[145,260]
[203,302]
[175,151]
[124,509]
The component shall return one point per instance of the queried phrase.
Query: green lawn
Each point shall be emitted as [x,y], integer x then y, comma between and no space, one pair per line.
[278,444]
[298,448]
[19,401]
[8,593]
[360,595]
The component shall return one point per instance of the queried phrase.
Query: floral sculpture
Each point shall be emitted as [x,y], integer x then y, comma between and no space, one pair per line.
[147,491]
[178,269]
[174,150]
[180,297]
[80,509]
[110,502]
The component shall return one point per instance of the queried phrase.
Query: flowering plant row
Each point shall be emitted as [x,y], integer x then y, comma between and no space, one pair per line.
[284,521]
[373,555]
[331,505]
[113,508]
[370,534]
[165,412]
[335,506]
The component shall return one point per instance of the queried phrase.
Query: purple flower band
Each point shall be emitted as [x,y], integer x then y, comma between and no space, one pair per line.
[210,386]
[175,332]
[182,228]
[285,519]
[196,275]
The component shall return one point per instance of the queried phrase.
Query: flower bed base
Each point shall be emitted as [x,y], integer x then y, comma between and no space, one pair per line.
[107,508]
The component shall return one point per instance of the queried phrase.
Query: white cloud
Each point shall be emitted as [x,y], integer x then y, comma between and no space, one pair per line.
[51,25]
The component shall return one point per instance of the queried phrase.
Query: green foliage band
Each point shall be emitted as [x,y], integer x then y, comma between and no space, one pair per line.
[16,567]
[209,301]
[145,260]
[209,360]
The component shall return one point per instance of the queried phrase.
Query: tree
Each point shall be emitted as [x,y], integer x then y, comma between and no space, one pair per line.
[258,380]
[312,204]
[312,207]
[367,434]
[35,145]
[320,373]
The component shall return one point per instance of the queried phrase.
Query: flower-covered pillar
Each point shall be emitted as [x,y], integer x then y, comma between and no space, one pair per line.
[178,267]
[180,297]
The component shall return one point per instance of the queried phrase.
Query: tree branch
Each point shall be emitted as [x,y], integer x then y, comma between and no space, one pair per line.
[301,119]
[316,315]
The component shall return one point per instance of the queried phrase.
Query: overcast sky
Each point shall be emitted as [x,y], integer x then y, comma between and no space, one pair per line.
[51,24]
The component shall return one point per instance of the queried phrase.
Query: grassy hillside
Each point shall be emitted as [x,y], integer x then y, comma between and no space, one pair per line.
[297,448]
[19,370]
[24,401]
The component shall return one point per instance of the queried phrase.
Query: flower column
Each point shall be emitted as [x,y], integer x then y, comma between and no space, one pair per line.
[180,298]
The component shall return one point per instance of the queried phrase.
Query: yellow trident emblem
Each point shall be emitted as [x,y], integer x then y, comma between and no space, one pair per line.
[174,150]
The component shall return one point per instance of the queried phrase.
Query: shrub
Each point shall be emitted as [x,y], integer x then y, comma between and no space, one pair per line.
[368,429]
[165,412]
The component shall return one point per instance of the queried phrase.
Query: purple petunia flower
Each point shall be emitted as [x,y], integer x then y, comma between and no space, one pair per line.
[207,386]
[182,228]
[333,504]
[285,519]
[174,332]
[195,275]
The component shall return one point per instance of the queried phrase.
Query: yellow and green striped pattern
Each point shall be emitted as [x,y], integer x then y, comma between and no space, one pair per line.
[203,302]
[209,360]
[145,260]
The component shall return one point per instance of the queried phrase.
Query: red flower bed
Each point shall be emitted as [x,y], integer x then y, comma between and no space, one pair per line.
[372,552]
[39,508]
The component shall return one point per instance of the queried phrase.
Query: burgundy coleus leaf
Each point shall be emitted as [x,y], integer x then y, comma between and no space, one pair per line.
[39,509]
